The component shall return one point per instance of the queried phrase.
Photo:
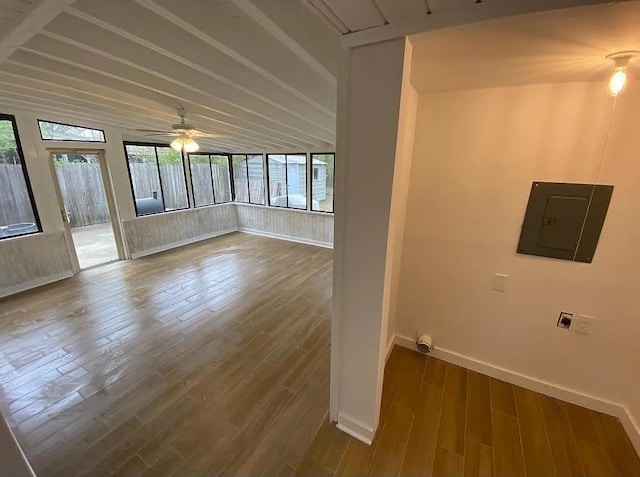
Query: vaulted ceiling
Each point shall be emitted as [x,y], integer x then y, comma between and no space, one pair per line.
[261,73]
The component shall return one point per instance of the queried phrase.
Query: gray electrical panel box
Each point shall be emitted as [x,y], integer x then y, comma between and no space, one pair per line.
[564,220]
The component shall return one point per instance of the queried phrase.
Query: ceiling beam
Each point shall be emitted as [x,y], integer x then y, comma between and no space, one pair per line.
[162,91]
[83,87]
[30,25]
[185,25]
[281,35]
[229,83]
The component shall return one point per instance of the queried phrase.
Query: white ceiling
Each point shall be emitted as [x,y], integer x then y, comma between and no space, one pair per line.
[367,21]
[547,47]
[12,12]
[260,72]
[263,73]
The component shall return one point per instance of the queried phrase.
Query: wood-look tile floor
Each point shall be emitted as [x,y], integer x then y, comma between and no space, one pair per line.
[213,359]
[205,360]
[441,420]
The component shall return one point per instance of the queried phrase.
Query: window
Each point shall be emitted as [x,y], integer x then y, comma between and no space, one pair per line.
[323,181]
[221,182]
[18,215]
[157,178]
[210,179]
[287,180]
[248,178]
[50,131]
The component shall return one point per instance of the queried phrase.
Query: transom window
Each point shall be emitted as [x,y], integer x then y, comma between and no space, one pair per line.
[50,131]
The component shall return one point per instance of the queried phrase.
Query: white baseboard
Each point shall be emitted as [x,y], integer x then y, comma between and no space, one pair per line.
[38,282]
[631,426]
[390,344]
[355,428]
[181,243]
[543,387]
[288,238]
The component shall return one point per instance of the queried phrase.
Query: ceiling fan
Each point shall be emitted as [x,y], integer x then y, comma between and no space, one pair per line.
[184,133]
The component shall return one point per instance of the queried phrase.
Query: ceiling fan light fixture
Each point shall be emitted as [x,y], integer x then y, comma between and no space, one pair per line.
[185,143]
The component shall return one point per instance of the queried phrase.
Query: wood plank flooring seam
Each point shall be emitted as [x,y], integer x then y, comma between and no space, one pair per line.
[413,418]
[493,449]
[519,430]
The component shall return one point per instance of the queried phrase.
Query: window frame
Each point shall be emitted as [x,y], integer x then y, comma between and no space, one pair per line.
[104,135]
[213,189]
[265,175]
[286,178]
[155,150]
[333,199]
[25,172]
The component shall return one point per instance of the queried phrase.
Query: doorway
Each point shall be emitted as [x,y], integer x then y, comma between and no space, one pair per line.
[86,205]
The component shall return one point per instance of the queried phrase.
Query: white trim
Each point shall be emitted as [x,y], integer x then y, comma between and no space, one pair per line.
[187,210]
[286,209]
[543,387]
[355,428]
[181,243]
[38,282]
[288,238]
[631,426]
[390,344]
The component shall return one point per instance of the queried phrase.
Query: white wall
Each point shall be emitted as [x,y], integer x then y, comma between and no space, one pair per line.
[369,90]
[476,154]
[399,195]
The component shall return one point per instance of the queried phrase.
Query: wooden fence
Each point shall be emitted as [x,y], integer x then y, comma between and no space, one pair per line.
[85,201]
[83,193]
[201,178]
[15,205]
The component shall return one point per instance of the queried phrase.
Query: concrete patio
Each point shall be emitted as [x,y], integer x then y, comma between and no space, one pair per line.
[94,244]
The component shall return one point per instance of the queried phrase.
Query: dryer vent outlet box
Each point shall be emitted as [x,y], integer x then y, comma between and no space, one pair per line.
[564,220]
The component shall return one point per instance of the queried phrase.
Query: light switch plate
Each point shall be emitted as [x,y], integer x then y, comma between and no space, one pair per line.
[582,324]
[499,282]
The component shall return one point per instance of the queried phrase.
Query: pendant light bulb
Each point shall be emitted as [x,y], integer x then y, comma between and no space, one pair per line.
[618,80]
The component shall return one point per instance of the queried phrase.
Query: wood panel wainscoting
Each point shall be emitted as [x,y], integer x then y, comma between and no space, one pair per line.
[158,232]
[315,228]
[31,261]
[213,359]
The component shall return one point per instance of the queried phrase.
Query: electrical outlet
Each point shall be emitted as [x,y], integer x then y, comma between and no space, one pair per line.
[565,320]
[583,324]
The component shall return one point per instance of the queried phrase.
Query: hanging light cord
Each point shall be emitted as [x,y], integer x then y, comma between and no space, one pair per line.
[595,182]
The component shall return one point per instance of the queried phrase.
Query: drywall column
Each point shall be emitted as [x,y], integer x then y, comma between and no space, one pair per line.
[368,109]
[399,196]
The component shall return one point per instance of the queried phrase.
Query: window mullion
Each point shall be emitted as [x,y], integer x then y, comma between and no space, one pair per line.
[164,205]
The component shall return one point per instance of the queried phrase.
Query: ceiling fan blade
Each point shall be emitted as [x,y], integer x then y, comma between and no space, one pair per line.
[163,134]
[204,134]
[152,131]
